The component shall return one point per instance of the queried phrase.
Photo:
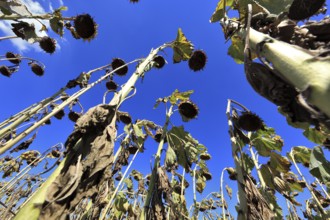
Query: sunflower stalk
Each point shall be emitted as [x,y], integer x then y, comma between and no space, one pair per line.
[153,177]
[29,210]
[222,195]
[318,203]
[58,108]
[106,209]
[243,205]
[305,71]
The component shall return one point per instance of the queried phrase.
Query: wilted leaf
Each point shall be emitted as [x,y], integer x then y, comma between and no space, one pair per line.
[129,184]
[182,48]
[138,130]
[14,7]
[25,31]
[136,175]
[319,166]
[200,184]
[315,136]
[229,191]
[281,164]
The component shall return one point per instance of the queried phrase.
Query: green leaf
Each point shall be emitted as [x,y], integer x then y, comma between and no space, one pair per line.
[248,162]
[319,166]
[219,12]
[279,7]
[295,187]
[185,146]
[56,23]
[236,49]
[267,175]
[315,136]
[281,164]
[170,158]
[265,141]
[182,48]
[301,155]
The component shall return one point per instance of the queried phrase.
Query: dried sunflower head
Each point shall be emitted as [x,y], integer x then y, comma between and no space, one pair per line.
[116,63]
[4,70]
[37,69]
[197,60]
[85,26]
[249,121]
[159,62]
[111,85]
[47,44]
[13,58]
[74,116]
[188,110]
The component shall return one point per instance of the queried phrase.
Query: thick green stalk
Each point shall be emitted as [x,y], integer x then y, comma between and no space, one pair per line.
[153,177]
[298,66]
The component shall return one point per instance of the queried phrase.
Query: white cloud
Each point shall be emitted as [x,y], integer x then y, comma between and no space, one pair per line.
[61,2]
[22,45]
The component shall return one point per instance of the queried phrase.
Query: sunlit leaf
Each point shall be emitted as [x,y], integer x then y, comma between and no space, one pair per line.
[138,130]
[265,141]
[280,163]
[182,48]
[279,7]
[301,155]
[181,96]
[267,175]
[315,136]
[236,49]
[319,166]
[248,162]
[185,146]
[219,12]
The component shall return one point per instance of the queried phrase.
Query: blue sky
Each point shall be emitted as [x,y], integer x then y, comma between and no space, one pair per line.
[129,31]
